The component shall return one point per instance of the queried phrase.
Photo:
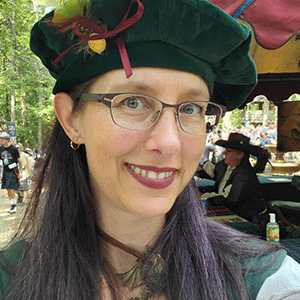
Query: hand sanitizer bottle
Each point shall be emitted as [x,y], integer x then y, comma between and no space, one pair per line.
[268,170]
[272,229]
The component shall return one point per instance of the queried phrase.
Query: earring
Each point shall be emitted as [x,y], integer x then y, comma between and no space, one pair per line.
[73,145]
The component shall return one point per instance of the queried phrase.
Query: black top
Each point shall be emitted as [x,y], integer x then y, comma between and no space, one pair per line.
[9,157]
[245,196]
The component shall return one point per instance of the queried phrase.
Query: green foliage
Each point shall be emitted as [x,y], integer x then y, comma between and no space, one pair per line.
[22,72]
[236,118]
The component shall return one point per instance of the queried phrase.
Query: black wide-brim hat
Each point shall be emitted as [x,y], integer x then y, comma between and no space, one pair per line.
[240,142]
[189,35]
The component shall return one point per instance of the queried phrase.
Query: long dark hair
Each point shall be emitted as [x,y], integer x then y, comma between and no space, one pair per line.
[65,258]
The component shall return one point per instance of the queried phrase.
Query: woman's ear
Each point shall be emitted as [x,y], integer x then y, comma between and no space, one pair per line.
[63,107]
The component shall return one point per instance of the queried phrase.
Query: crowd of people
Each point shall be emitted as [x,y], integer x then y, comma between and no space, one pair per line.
[258,134]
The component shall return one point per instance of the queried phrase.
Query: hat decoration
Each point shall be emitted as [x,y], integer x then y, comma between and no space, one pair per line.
[78,18]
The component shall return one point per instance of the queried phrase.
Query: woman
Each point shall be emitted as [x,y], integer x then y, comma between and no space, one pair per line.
[236,184]
[116,213]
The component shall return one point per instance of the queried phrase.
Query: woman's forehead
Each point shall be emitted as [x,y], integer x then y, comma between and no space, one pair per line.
[151,80]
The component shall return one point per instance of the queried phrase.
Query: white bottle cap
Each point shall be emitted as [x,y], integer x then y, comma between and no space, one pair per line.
[272,218]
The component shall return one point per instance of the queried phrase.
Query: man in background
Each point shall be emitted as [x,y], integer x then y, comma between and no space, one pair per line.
[211,150]
[27,166]
[10,156]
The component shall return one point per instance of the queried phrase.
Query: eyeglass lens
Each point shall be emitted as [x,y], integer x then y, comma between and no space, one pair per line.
[139,112]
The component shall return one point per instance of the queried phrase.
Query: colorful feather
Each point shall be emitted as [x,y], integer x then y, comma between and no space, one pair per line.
[72,9]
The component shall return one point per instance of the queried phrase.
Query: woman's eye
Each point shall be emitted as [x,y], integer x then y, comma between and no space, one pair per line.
[192,109]
[133,103]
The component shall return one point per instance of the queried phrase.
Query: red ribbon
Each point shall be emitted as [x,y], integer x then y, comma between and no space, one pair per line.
[102,34]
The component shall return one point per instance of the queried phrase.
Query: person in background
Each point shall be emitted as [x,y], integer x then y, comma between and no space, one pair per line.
[10,156]
[27,165]
[1,170]
[236,184]
[240,130]
[264,139]
[272,132]
[116,213]
[36,154]
[252,133]
[218,154]
[211,150]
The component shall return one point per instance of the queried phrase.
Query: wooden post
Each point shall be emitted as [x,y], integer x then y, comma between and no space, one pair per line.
[265,112]
[226,124]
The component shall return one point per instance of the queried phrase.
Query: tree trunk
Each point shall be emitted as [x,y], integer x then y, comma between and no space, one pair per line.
[40,114]
[35,5]
[226,124]
[12,25]
[22,99]
[23,109]
[12,106]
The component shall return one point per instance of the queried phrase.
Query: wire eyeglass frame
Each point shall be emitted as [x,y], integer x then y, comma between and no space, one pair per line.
[216,110]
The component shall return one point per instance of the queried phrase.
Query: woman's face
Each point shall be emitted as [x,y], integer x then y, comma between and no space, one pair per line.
[122,162]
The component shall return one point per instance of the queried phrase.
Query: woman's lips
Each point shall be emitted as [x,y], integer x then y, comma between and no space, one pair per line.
[152,177]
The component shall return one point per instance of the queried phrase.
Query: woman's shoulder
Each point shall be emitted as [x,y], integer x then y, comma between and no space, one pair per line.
[264,273]
[13,254]
[286,280]
[256,270]
[263,265]
[9,259]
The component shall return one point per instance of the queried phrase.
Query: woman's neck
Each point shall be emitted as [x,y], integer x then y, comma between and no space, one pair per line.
[136,232]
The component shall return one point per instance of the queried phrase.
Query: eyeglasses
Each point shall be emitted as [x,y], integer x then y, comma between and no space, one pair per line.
[140,112]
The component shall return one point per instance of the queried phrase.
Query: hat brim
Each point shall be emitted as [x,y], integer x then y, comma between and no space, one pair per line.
[240,146]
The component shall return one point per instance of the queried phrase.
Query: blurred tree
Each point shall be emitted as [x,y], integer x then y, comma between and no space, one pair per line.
[21,74]
[236,118]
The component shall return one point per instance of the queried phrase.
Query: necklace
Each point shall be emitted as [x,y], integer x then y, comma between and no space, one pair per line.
[133,278]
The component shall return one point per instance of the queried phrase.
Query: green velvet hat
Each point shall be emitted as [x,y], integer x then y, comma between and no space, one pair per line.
[86,38]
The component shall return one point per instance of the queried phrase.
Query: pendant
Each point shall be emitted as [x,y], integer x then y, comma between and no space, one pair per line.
[133,278]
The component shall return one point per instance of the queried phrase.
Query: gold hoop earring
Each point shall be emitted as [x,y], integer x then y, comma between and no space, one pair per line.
[73,145]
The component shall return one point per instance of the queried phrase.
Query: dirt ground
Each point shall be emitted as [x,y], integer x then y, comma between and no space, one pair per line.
[8,221]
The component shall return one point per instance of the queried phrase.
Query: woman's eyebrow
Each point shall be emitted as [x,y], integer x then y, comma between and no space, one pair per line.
[132,86]
[143,87]
[195,92]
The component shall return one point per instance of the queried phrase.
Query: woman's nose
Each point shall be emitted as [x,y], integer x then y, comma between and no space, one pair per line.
[165,134]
